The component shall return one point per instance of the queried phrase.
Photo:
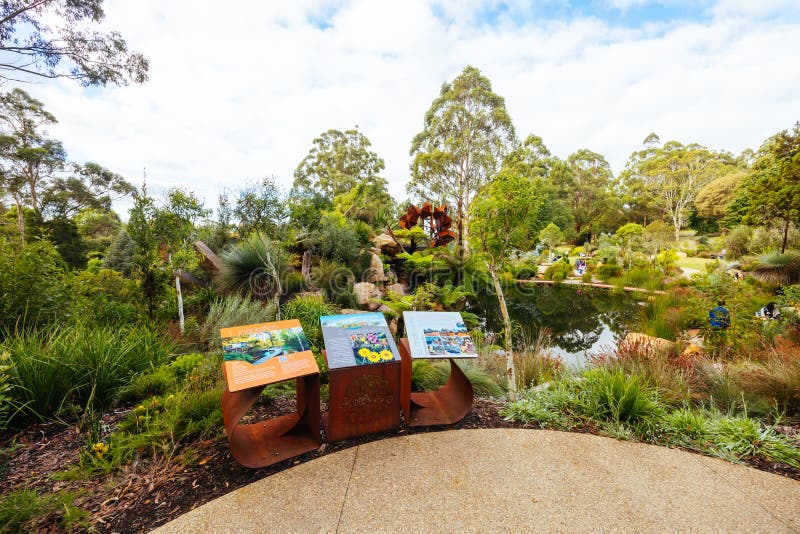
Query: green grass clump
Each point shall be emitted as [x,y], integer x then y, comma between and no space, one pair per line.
[426,376]
[741,437]
[234,310]
[611,395]
[549,408]
[80,367]
[308,309]
[23,510]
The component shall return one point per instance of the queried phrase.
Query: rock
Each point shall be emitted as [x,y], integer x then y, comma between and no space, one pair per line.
[376,273]
[383,308]
[386,244]
[640,343]
[367,295]
[692,350]
[400,289]
[349,311]
[393,326]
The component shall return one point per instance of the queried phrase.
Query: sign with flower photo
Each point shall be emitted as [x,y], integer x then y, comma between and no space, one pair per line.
[358,339]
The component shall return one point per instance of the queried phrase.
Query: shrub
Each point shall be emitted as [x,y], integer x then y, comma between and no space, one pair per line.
[58,368]
[608,271]
[336,279]
[737,242]
[105,296]
[32,284]
[234,310]
[586,277]
[777,380]
[558,271]
[336,240]
[308,309]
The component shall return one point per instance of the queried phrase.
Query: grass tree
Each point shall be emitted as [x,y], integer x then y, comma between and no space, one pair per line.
[505,217]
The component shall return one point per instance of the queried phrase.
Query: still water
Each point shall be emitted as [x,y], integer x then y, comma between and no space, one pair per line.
[581,321]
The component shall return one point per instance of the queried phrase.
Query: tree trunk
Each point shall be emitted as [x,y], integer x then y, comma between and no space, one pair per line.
[180,301]
[21,223]
[785,235]
[180,293]
[306,268]
[510,373]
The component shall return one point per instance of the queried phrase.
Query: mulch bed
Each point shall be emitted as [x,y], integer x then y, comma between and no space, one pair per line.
[147,494]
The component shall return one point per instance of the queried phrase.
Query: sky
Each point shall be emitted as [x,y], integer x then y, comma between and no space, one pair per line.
[239,91]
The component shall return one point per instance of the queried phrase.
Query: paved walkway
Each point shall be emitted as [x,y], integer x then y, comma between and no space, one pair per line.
[506,480]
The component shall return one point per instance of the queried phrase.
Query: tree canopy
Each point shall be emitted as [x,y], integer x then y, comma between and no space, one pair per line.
[466,134]
[34,44]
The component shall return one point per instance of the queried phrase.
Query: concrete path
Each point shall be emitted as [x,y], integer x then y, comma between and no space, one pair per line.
[506,480]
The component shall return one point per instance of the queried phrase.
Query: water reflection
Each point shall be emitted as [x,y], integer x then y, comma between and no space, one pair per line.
[581,321]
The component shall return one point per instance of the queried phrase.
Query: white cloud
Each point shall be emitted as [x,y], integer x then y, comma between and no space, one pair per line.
[240,93]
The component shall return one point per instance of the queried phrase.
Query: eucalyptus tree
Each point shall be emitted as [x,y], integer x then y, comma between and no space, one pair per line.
[466,134]
[338,162]
[671,175]
[772,189]
[57,39]
[29,158]
[587,186]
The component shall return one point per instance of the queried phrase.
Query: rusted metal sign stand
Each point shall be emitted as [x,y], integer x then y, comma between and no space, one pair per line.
[274,440]
[363,400]
[449,404]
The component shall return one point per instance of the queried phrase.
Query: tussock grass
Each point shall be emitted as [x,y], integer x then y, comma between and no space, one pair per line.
[80,367]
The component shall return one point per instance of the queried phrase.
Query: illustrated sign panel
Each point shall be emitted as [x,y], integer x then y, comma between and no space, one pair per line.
[259,354]
[438,335]
[358,339]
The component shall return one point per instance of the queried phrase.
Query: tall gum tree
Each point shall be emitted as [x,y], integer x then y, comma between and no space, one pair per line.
[29,158]
[671,176]
[466,134]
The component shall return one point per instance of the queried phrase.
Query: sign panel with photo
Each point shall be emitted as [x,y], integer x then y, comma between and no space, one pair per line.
[265,353]
[357,339]
[438,335]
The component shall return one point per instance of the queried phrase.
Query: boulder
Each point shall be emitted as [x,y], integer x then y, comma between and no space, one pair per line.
[376,273]
[400,289]
[692,350]
[643,343]
[348,311]
[367,295]
[386,244]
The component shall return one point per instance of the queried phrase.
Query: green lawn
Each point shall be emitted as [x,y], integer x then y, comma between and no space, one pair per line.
[694,263]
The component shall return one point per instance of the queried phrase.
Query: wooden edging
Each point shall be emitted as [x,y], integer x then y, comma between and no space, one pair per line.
[591,284]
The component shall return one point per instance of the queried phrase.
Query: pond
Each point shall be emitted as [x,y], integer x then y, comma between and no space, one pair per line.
[581,321]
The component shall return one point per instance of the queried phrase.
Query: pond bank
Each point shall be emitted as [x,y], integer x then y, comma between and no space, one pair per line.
[590,284]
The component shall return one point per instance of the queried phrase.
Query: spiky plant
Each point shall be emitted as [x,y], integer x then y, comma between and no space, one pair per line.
[777,268]
[253,267]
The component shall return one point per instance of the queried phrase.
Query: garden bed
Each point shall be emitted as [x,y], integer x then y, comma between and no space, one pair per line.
[146,494]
